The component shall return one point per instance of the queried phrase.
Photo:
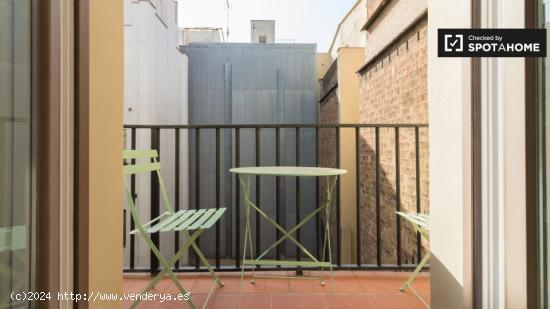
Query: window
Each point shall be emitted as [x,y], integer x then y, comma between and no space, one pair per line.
[15,149]
[262,39]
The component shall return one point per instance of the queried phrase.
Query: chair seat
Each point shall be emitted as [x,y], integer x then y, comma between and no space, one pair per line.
[188,219]
[420,219]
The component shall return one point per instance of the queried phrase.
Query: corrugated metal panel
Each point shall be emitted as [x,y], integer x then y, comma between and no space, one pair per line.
[268,83]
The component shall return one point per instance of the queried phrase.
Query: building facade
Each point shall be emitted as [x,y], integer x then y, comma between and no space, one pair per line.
[242,83]
[155,92]
[348,33]
[393,90]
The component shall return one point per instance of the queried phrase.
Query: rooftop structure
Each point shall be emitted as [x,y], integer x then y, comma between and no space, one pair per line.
[200,35]
[262,31]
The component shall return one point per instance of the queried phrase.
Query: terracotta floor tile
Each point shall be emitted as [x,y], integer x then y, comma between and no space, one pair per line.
[298,301]
[399,302]
[352,302]
[187,284]
[422,284]
[381,286]
[305,286]
[355,290]
[276,286]
[231,301]
[347,285]
[233,286]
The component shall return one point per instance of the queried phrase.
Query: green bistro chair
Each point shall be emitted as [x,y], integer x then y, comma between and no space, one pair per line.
[182,221]
[421,223]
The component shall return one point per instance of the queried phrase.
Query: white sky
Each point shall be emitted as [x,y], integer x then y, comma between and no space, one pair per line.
[303,21]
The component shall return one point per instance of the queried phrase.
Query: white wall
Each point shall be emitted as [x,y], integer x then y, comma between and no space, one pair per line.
[450,180]
[348,33]
[397,16]
[155,93]
[503,200]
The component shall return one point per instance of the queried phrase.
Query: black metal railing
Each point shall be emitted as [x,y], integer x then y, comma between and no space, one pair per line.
[364,257]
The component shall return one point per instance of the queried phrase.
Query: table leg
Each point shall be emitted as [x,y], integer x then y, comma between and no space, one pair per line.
[326,241]
[247,232]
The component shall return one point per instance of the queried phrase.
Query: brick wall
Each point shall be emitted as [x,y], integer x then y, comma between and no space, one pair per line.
[328,113]
[394,90]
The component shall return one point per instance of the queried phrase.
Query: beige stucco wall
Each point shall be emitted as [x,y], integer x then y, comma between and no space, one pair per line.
[349,59]
[106,95]
[322,63]
[348,32]
[396,17]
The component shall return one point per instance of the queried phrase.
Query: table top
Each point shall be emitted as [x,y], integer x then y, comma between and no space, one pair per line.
[305,171]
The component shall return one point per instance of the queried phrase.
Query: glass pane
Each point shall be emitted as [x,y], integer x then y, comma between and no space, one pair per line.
[15,141]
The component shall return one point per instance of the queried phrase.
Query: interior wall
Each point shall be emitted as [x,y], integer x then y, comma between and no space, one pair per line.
[450,157]
[511,97]
[100,139]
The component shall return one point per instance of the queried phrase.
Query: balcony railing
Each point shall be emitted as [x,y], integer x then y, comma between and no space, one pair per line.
[389,163]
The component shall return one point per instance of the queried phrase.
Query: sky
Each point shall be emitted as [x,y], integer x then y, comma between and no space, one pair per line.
[299,21]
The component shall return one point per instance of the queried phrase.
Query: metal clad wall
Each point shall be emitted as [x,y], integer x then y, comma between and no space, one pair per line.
[266,82]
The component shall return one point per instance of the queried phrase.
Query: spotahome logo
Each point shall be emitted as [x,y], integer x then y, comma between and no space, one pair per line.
[491,42]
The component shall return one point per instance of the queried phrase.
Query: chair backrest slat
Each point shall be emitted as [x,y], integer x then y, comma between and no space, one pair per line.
[138,154]
[151,164]
[141,168]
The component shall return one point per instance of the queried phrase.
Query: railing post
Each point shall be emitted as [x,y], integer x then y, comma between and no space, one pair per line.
[218,186]
[418,200]
[378,236]
[318,223]
[338,204]
[278,209]
[133,192]
[398,195]
[298,197]
[358,193]
[177,190]
[237,200]
[197,184]
[155,206]
[258,195]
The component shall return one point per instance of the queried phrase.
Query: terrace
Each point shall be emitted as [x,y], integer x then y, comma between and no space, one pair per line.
[370,264]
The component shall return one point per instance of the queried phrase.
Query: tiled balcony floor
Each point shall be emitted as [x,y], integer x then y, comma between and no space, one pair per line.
[353,289]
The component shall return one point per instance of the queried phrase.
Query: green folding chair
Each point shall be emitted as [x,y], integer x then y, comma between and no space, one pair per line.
[421,224]
[181,221]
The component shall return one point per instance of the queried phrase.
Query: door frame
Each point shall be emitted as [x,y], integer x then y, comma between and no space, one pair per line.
[532,147]
[55,158]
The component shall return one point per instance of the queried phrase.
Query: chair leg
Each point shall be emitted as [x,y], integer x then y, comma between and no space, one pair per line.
[206,264]
[172,261]
[167,268]
[416,271]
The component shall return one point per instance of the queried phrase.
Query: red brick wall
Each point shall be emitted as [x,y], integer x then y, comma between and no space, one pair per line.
[394,90]
[329,114]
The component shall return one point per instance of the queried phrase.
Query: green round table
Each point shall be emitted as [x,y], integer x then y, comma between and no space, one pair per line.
[245,173]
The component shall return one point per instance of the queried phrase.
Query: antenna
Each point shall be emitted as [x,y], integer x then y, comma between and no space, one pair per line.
[228,7]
